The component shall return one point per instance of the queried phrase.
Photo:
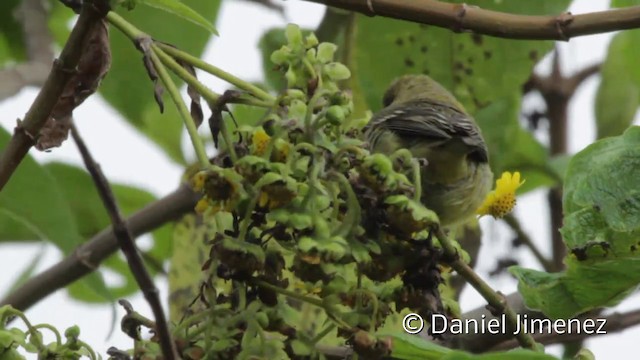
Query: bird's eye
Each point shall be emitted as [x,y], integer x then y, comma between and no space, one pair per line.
[388,98]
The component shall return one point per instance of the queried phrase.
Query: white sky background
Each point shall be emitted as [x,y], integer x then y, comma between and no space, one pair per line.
[127,157]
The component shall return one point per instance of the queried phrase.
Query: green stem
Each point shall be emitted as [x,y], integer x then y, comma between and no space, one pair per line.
[495,299]
[226,136]
[208,94]
[52,329]
[352,217]
[125,27]
[182,109]
[217,72]
[92,354]
[322,334]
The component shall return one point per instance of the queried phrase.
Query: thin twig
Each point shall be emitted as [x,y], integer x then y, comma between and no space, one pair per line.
[128,247]
[63,69]
[466,18]
[496,300]
[524,238]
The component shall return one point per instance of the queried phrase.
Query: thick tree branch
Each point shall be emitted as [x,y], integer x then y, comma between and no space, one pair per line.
[37,37]
[89,255]
[128,247]
[462,17]
[63,69]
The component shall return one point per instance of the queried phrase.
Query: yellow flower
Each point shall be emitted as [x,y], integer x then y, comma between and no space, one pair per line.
[260,141]
[502,200]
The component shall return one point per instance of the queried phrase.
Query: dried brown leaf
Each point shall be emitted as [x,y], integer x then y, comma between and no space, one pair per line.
[196,104]
[93,65]
[53,133]
[144,45]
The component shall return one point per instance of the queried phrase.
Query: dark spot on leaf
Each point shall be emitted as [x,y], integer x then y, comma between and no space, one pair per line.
[425,71]
[412,39]
[424,49]
[457,66]
[533,55]
[477,39]
[460,46]
[470,60]
[468,71]
[632,248]
[408,62]
[596,207]
[487,54]
[579,253]
[457,79]
[399,42]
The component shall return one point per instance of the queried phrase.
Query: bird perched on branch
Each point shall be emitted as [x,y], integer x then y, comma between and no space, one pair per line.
[422,116]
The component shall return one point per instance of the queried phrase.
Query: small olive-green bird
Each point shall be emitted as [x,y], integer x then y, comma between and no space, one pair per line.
[422,116]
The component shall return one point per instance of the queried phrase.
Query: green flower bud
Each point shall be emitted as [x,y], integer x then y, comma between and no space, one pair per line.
[335,114]
[291,77]
[311,55]
[297,109]
[296,94]
[281,56]
[294,36]
[311,40]
[326,52]
[336,71]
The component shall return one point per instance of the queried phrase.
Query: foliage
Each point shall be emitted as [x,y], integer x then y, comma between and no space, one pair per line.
[31,341]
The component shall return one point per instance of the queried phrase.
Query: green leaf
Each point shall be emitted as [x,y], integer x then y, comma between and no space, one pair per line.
[86,205]
[477,69]
[601,229]
[35,200]
[137,103]
[618,95]
[513,148]
[176,7]
[90,214]
[32,196]
[413,347]
[29,270]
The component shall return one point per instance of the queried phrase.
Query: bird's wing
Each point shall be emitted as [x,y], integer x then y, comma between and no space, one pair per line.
[431,121]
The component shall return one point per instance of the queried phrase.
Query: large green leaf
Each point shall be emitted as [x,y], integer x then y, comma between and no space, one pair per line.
[511,147]
[128,88]
[477,69]
[601,229]
[33,205]
[618,95]
[89,212]
[33,196]
[413,347]
[178,8]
